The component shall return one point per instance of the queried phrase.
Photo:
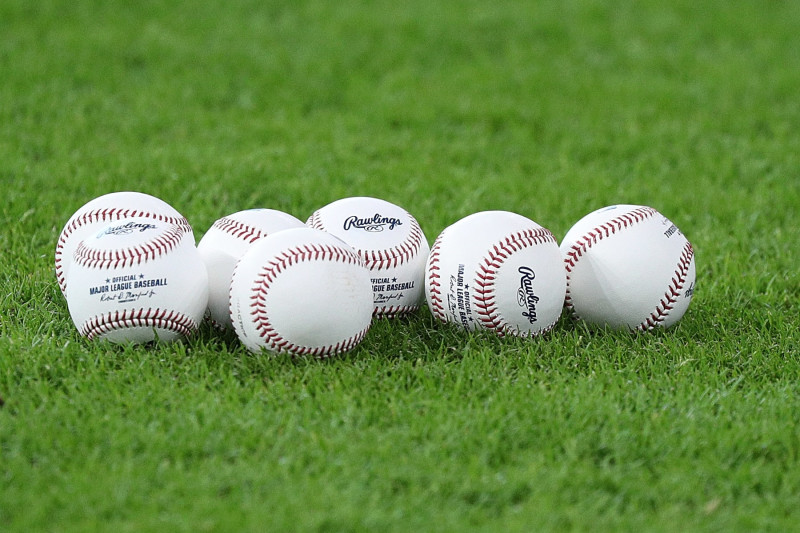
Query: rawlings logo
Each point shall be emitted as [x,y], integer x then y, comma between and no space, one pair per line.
[128,228]
[525,295]
[375,224]
[690,291]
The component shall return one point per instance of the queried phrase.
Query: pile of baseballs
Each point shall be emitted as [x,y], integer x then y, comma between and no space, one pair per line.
[131,271]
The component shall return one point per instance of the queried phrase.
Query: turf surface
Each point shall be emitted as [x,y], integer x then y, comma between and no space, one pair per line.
[548,109]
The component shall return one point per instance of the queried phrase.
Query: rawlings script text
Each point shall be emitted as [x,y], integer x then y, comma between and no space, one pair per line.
[374,224]
[126,229]
[525,295]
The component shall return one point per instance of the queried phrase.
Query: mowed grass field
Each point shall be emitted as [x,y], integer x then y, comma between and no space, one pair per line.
[549,109]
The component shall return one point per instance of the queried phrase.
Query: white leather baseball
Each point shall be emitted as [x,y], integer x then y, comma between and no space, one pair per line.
[103,210]
[301,291]
[628,266]
[389,241]
[225,243]
[496,270]
[135,280]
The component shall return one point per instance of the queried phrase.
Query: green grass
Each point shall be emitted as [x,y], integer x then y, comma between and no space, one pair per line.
[549,109]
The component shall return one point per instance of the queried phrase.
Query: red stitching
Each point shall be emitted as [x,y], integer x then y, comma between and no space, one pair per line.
[595,235]
[672,293]
[484,294]
[239,230]
[434,286]
[394,310]
[389,258]
[314,221]
[126,257]
[101,215]
[606,229]
[267,276]
[128,318]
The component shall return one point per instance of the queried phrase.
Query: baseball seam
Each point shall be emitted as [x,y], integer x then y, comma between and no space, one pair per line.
[387,258]
[134,255]
[393,310]
[314,221]
[485,296]
[597,234]
[672,293]
[239,230]
[434,284]
[128,318]
[101,215]
[270,272]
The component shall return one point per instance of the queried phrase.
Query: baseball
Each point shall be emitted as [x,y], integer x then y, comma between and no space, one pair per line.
[496,270]
[106,209]
[301,291]
[628,266]
[137,280]
[225,243]
[389,241]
